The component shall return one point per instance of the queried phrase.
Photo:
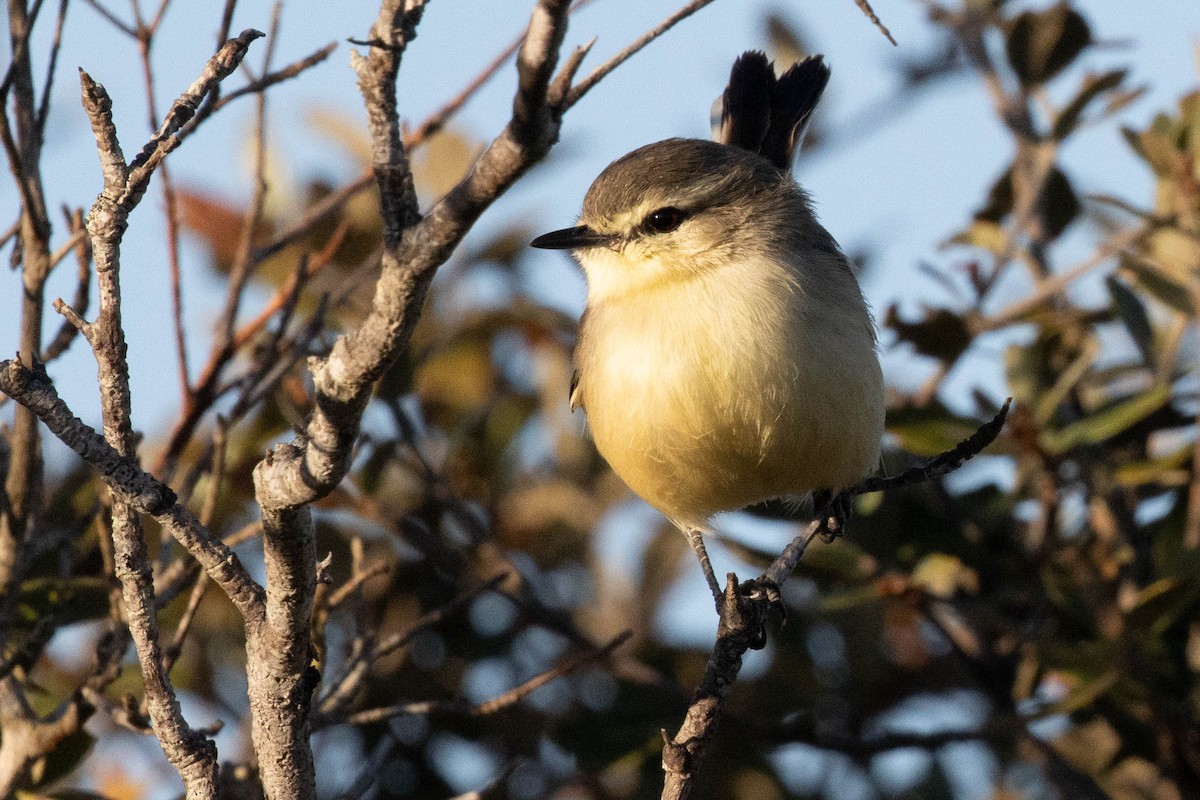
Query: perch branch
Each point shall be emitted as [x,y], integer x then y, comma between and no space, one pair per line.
[743,612]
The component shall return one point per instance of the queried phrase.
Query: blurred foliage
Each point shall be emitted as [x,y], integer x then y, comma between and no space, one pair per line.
[1032,623]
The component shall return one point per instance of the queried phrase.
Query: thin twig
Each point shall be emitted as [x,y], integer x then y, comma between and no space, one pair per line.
[51,68]
[492,706]
[174,648]
[115,21]
[598,74]
[1050,288]
[343,689]
[33,390]
[260,85]
[350,587]
[240,272]
[870,12]
[83,283]
[942,464]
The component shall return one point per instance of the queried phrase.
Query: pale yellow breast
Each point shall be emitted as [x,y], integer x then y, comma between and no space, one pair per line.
[724,390]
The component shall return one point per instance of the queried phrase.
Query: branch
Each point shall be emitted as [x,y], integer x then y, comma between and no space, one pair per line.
[393,30]
[279,653]
[414,250]
[942,464]
[577,91]
[33,389]
[743,611]
[369,775]
[79,304]
[494,705]
[179,121]
[742,619]
[366,654]
[870,12]
[271,78]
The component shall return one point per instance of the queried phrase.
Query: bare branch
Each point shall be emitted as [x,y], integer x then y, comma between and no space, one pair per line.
[114,20]
[268,80]
[743,612]
[741,625]
[79,303]
[33,390]
[344,379]
[125,186]
[391,33]
[350,587]
[865,5]
[496,704]
[51,69]
[598,74]
[98,106]
[942,464]
[281,677]
[343,689]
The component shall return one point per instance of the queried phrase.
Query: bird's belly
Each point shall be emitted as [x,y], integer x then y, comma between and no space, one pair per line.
[696,422]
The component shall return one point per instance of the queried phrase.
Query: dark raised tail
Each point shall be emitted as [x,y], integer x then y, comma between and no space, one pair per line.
[768,115]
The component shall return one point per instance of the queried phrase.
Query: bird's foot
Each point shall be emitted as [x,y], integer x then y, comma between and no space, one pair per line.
[762,596]
[833,512]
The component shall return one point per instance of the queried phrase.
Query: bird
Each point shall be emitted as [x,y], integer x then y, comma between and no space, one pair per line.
[726,355]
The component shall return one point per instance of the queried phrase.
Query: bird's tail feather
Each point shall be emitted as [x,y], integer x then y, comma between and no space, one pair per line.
[768,115]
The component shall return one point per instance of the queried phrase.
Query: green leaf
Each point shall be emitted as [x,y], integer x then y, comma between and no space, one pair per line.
[1092,87]
[1132,312]
[849,600]
[1040,44]
[1058,206]
[1100,426]
[1048,402]
[839,561]
[1085,695]
[943,575]
[982,233]
[1158,146]
[1161,604]
[1159,284]
[941,334]
[929,430]
[64,758]
[1164,471]
[72,600]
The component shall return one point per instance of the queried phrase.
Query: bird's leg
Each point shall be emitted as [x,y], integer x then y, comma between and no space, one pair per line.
[833,512]
[696,540]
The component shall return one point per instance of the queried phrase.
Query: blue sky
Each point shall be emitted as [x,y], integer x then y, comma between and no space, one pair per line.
[896,179]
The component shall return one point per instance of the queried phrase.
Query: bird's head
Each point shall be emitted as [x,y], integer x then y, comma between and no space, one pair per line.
[670,211]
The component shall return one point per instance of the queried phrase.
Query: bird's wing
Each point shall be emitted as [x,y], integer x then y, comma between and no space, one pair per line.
[769,115]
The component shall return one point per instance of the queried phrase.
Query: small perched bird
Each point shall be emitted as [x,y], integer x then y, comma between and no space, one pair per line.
[726,355]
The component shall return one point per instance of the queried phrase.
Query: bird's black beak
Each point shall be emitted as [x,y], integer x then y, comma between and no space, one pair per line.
[576,238]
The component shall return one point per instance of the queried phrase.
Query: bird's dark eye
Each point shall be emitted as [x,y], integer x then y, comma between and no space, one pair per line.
[664,220]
